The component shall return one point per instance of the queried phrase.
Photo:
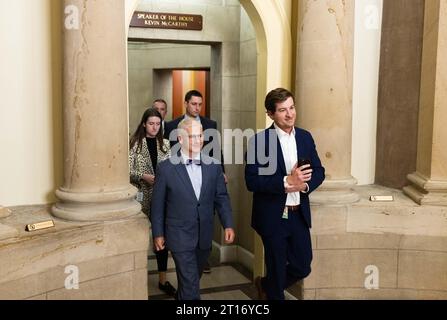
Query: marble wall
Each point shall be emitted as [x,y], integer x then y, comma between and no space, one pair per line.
[73,260]
[31,89]
[428,184]
[367,39]
[246,118]
[378,251]
[399,91]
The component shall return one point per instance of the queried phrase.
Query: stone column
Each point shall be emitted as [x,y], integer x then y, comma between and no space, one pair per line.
[429,182]
[324,91]
[96,173]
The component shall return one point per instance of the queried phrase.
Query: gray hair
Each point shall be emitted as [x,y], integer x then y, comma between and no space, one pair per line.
[186,123]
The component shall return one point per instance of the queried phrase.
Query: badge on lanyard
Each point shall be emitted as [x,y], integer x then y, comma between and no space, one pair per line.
[139,196]
[285,213]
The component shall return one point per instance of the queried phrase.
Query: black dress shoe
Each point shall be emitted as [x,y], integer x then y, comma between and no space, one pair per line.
[261,292]
[167,288]
[207,268]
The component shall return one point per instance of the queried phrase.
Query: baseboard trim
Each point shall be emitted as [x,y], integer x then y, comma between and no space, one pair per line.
[237,254]
[245,257]
[224,253]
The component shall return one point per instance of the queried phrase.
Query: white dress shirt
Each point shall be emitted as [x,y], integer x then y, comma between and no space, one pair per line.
[290,155]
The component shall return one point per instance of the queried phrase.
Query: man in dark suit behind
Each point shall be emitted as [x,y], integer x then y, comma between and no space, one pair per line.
[281,185]
[187,190]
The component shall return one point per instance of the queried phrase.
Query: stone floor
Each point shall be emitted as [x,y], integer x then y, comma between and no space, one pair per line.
[225,282]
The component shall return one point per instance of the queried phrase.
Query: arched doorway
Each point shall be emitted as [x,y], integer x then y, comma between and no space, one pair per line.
[274,68]
[274,45]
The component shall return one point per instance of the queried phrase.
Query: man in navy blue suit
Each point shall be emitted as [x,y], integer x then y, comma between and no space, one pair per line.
[188,188]
[282,169]
[193,105]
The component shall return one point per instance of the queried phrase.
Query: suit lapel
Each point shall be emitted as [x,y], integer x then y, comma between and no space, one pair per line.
[171,126]
[204,122]
[183,174]
[299,148]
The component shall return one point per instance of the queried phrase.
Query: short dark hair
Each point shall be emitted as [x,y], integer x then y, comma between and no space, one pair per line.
[159,100]
[276,96]
[192,93]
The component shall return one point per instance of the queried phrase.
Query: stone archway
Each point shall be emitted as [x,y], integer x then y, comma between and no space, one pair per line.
[274,42]
[274,46]
[274,70]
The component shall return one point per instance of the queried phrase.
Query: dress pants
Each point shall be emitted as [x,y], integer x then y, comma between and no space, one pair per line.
[162,260]
[288,255]
[189,267]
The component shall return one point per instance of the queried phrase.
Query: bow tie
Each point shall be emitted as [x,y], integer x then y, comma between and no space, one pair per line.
[193,161]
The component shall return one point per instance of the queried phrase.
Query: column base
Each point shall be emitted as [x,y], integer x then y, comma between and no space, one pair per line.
[336,192]
[101,206]
[426,191]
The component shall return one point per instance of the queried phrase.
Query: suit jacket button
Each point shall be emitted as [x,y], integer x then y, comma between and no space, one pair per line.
[198,205]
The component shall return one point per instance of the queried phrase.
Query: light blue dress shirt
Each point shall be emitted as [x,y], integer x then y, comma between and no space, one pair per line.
[194,173]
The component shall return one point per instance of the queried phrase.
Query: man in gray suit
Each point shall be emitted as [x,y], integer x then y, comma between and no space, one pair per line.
[188,188]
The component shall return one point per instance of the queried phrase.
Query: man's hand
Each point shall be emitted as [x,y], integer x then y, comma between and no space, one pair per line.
[305,173]
[149,178]
[159,243]
[229,235]
[225,178]
[299,176]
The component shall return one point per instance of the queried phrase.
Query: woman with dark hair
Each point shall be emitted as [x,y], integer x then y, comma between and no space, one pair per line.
[147,149]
